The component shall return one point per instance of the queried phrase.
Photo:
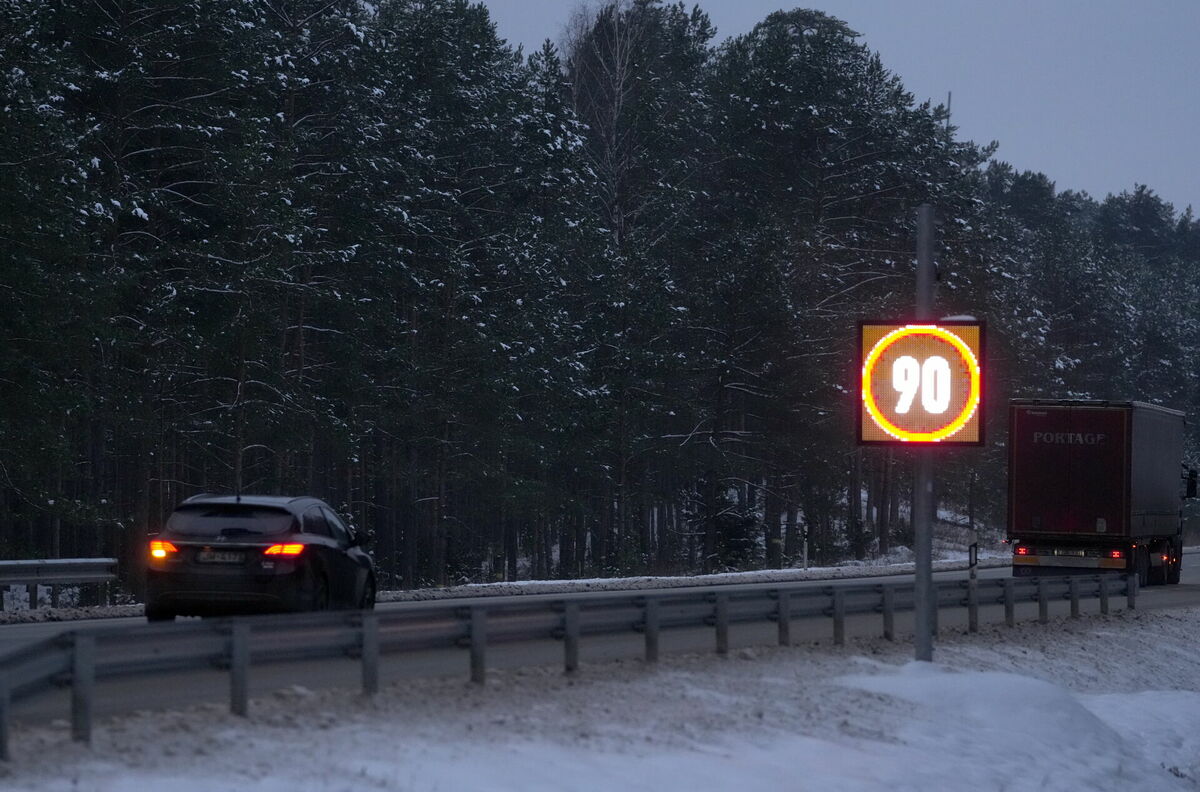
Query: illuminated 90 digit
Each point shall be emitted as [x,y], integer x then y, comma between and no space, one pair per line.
[931,379]
[906,378]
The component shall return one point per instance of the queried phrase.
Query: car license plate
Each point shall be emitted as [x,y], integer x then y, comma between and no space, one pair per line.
[219,557]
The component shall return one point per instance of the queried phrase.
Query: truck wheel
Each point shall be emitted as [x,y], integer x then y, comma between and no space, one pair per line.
[1142,558]
[1157,572]
[1175,570]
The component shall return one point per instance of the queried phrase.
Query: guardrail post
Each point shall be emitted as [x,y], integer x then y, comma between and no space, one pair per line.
[31,591]
[651,630]
[783,616]
[935,610]
[239,669]
[478,645]
[55,590]
[889,613]
[1104,594]
[370,654]
[1131,590]
[1043,596]
[5,706]
[722,624]
[1010,602]
[1074,584]
[83,687]
[571,637]
[839,617]
[972,605]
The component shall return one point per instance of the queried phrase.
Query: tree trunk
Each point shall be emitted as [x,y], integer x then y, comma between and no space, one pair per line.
[855,522]
[885,505]
[871,519]
[791,536]
[771,527]
[711,521]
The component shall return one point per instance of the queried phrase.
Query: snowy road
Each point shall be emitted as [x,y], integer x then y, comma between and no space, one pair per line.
[188,688]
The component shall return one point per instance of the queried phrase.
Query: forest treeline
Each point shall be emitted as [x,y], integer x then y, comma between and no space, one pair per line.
[584,311]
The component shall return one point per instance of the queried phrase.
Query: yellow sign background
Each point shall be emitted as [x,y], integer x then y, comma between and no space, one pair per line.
[917,420]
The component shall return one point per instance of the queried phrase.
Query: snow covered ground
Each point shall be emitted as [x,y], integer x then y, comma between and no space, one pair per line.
[1106,703]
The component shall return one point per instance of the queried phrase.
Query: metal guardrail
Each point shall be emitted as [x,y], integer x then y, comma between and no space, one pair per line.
[57,570]
[80,659]
[54,572]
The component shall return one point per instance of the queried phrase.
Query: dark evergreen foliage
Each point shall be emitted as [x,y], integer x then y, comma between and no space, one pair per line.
[588,312]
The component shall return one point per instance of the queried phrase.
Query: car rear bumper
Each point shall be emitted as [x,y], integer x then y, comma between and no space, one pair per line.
[190,592]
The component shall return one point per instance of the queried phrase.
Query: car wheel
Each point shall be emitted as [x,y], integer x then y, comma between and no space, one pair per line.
[368,597]
[157,613]
[320,594]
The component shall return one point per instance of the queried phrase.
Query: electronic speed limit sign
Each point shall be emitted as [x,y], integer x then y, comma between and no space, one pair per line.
[921,383]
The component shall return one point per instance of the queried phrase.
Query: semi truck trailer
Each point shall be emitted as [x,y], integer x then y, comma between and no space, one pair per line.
[1096,486]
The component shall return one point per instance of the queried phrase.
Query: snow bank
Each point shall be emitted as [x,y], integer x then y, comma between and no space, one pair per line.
[1032,708]
[1048,737]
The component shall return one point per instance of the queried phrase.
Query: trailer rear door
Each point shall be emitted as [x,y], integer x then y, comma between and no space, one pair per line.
[1068,470]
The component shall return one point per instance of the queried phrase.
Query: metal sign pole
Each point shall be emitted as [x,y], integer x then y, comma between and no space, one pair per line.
[922,503]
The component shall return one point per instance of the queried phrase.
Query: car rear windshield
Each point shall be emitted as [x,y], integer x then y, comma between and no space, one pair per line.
[229,519]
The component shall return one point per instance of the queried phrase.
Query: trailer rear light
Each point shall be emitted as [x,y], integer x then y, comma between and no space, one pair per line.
[1117,554]
[160,549]
[284,549]
[1022,550]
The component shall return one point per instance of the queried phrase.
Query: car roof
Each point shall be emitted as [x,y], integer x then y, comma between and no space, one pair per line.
[294,504]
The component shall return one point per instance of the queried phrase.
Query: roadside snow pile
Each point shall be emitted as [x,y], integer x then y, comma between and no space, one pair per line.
[1031,708]
[27,616]
[850,570]
[1049,737]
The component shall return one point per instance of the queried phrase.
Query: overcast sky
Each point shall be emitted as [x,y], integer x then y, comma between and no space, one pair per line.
[1099,95]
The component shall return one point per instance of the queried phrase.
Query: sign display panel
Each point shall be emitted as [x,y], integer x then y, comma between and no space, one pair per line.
[921,383]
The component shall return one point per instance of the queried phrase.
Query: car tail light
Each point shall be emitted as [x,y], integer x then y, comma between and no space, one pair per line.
[284,550]
[1117,554]
[160,549]
[1021,550]
[1166,557]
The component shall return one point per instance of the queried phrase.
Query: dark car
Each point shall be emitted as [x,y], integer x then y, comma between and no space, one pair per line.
[221,554]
